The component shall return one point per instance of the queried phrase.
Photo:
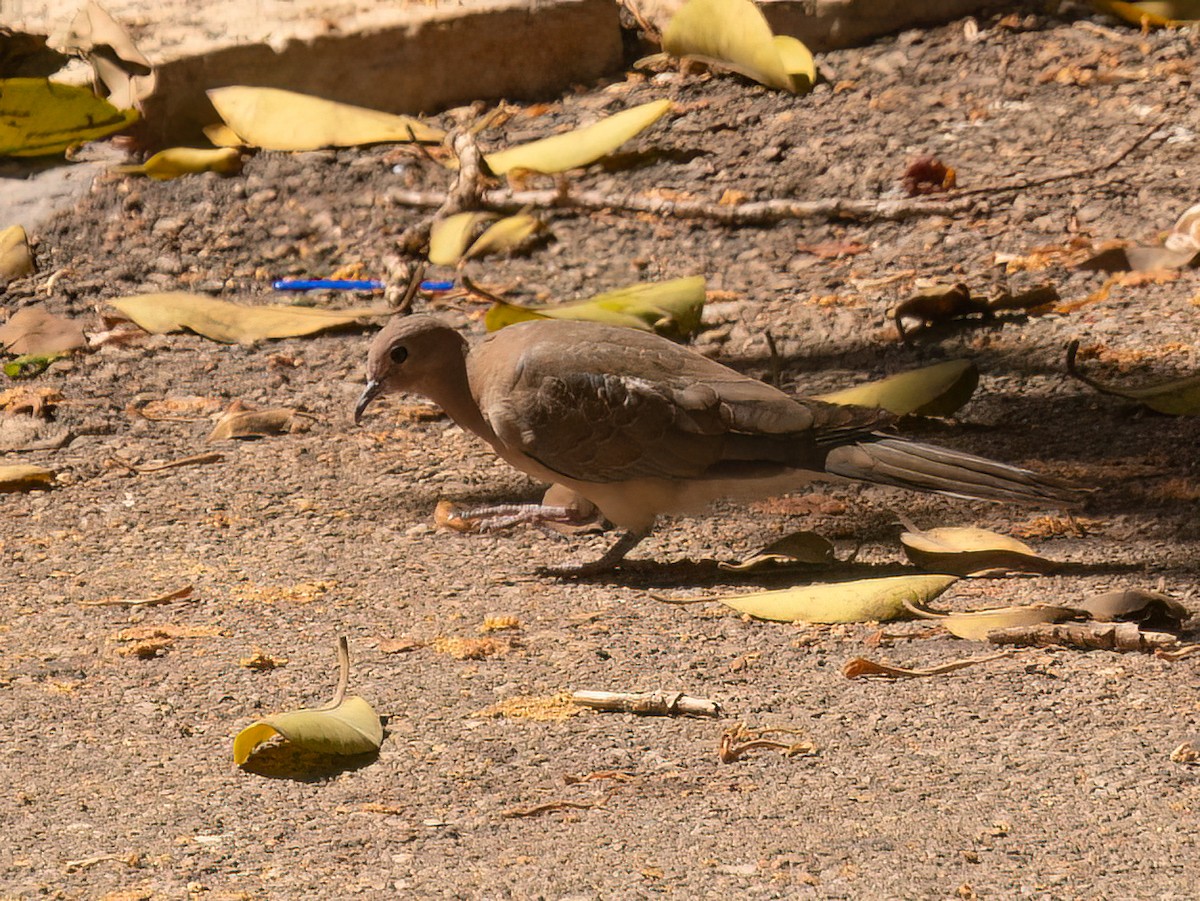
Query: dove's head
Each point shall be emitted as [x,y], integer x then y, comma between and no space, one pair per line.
[415,354]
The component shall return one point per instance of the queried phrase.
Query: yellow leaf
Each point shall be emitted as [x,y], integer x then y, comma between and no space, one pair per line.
[670,308]
[24,477]
[15,259]
[221,135]
[799,548]
[733,34]
[579,147]
[965,551]
[352,727]
[506,235]
[177,161]
[449,237]
[275,119]
[937,390]
[39,117]
[1167,13]
[863,600]
[798,63]
[229,323]
[1178,397]
[976,624]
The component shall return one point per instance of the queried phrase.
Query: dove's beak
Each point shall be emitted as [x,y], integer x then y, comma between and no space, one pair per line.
[369,394]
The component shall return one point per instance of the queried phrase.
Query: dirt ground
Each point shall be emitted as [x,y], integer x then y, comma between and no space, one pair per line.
[1045,774]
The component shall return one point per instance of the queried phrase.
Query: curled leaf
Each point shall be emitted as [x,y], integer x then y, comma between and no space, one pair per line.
[39,117]
[863,600]
[16,260]
[177,161]
[967,551]
[353,727]
[734,35]
[115,59]
[230,323]
[976,624]
[799,548]
[242,423]
[24,477]
[671,308]
[938,304]
[1178,397]
[275,119]
[938,390]
[344,727]
[580,147]
[505,236]
[449,237]
[1148,608]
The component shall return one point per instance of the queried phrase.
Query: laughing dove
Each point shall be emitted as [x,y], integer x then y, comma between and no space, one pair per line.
[641,426]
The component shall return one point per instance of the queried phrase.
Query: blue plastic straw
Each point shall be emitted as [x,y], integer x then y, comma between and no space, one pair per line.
[326,284]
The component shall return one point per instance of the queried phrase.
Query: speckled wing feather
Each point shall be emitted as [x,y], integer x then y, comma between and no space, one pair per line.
[608,405]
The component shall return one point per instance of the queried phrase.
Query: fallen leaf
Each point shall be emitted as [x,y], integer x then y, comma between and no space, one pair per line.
[506,236]
[938,304]
[353,727]
[581,146]
[938,390]
[275,119]
[239,422]
[1159,13]
[976,624]
[39,117]
[116,61]
[857,667]
[33,331]
[671,308]
[16,260]
[1178,397]
[24,477]
[734,35]
[967,551]
[230,323]
[1185,233]
[863,600]
[177,161]
[449,237]
[1150,609]
[344,727]
[1140,259]
[799,548]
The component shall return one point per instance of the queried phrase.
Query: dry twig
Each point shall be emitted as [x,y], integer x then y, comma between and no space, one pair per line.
[647,703]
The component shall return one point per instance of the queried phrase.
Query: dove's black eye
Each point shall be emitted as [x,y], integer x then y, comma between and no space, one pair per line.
[399,354]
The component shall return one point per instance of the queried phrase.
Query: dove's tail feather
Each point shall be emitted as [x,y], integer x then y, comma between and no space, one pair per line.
[924,467]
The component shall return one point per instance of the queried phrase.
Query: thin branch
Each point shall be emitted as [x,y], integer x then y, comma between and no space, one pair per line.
[1092,169]
[763,212]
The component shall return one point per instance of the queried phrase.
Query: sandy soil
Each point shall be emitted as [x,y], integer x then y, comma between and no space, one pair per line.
[1044,774]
